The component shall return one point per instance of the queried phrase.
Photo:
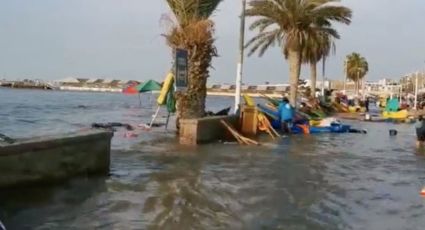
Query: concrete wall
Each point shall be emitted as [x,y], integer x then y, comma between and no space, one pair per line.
[52,158]
[204,130]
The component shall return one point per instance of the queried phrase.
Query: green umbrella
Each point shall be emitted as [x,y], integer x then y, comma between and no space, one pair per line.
[171,101]
[147,86]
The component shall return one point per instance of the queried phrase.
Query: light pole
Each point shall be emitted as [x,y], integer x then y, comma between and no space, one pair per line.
[358,83]
[241,58]
[346,75]
[323,75]
[364,87]
[416,90]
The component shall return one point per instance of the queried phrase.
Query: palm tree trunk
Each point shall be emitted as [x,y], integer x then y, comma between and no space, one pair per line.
[191,104]
[294,58]
[357,87]
[313,79]
[358,84]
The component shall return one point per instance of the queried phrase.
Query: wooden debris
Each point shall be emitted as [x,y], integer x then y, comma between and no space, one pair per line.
[264,125]
[241,139]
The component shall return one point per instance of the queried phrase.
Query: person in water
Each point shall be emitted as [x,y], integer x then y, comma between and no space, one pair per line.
[286,113]
[366,104]
[420,131]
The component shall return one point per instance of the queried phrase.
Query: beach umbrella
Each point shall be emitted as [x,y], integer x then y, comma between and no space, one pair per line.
[148,86]
[171,101]
[168,93]
[130,90]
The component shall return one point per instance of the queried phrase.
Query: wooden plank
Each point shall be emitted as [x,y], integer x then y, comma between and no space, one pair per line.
[241,139]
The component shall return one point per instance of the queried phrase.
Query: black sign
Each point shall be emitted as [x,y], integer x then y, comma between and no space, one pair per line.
[181,69]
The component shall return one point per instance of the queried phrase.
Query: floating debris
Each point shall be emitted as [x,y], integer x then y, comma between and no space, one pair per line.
[423,192]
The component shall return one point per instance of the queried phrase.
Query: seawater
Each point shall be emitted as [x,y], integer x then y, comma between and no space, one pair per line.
[326,181]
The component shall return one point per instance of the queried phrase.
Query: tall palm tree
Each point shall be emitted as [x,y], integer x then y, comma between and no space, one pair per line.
[357,68]
[318,47]
[290,24]
[194,32]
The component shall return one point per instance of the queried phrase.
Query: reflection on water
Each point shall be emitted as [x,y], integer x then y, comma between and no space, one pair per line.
[347,181]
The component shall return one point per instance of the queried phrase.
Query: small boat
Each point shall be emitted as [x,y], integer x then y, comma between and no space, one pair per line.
[340,108]
[334,128]
[355,109]
[315,122]
[402,114]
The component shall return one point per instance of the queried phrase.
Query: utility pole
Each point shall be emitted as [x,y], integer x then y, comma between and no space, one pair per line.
[416,90]
[323,75]
[241,58]
[364,87]
[346,75]
[358,83]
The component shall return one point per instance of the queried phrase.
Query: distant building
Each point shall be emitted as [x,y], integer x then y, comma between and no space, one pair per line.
[408,82]
[70,81]
[277,89]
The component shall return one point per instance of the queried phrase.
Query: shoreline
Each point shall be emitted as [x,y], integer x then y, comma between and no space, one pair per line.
[118,90]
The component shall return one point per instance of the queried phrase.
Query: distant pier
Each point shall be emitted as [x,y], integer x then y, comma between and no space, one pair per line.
[27,84]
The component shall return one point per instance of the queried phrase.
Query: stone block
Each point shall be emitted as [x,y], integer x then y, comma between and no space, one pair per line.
[204,130]
[53,158]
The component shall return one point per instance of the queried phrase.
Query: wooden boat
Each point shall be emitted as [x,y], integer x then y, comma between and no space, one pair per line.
[402,114]
[355,109]
[340,108]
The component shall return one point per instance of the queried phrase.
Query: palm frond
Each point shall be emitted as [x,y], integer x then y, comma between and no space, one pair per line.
[357,66]
[186,11]
[301,24]
[263,41]
[328,13]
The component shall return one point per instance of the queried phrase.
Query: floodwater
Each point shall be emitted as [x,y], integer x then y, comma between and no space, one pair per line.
[327,181]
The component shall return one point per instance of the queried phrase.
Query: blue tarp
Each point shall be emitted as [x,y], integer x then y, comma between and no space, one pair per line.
[392,105]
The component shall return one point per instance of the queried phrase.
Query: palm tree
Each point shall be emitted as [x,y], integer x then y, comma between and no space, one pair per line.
[291,24]
[194,32]
[318,47]
[357,68]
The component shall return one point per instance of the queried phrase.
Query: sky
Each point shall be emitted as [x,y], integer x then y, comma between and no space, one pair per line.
[122,39]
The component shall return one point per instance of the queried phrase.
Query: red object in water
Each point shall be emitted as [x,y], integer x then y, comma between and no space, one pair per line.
[423,192]
[130,134]
[130,90]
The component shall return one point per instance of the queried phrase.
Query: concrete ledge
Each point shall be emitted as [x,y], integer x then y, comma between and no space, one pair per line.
[53,158]
[204,130]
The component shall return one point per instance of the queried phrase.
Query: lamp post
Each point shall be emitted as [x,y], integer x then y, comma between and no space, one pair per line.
[358,83]
[346,75]
[364,87]
[241,58]
[323,76]
[416,91]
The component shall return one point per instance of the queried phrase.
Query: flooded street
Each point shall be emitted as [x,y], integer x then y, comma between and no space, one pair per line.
[326,181]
